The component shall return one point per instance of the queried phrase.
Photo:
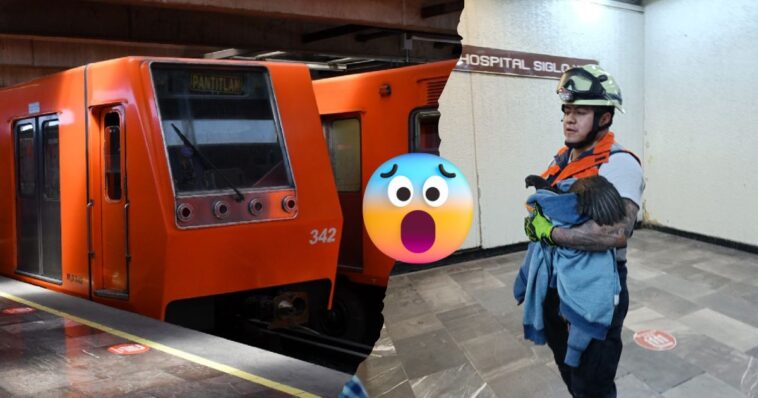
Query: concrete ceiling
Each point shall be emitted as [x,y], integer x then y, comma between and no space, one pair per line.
[358,33]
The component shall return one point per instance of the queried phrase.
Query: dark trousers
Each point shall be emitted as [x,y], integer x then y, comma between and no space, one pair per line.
[594,376]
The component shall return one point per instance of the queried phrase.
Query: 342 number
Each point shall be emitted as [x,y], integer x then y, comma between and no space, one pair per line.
[326,235]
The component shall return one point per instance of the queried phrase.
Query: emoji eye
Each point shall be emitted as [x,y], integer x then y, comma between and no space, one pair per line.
[400,191]
[435,191]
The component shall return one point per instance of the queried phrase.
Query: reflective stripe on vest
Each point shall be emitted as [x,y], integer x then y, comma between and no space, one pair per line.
[587,165]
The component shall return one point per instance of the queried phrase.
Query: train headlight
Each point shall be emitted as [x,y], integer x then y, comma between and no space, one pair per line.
[255,207]
[221,209]
[184,212]
[289,204]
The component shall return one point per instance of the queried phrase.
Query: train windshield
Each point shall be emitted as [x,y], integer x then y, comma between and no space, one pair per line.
[219,128]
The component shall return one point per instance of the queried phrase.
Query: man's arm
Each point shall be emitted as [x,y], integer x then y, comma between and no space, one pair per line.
[593,237]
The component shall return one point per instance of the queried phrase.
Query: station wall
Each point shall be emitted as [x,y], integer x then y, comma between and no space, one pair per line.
[498,129]
[701,92]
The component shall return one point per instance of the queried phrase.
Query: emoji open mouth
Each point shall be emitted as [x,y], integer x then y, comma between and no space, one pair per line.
[417,231]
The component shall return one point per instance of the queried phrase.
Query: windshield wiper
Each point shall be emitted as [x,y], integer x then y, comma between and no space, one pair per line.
[207,163]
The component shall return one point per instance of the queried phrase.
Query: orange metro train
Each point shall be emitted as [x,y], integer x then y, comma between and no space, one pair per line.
[369,118]
[193,191]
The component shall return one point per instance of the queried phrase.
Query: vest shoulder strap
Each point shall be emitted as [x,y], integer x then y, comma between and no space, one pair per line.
[622,150]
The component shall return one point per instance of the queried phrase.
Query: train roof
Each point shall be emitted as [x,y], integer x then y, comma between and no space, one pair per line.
[130,59]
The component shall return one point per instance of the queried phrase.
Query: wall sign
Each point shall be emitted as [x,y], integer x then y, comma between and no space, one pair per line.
[504,62]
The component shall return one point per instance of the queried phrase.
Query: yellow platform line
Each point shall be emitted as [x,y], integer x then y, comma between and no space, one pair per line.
[172,351]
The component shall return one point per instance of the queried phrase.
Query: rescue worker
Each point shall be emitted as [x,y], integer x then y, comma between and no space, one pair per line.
[589,97]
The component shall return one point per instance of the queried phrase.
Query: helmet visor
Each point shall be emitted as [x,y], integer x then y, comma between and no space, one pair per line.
[577,83]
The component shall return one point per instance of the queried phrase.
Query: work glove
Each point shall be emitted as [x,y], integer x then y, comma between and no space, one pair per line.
[538,227]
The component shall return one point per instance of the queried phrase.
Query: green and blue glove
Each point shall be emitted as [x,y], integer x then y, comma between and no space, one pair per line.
[538,227]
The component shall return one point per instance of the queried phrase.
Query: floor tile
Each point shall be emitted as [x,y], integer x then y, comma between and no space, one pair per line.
[733,307]
[493,351]
[703,386]
[694,274]
[749,379]
[531,381]
[414,326]
[659,370]
[476,279]
[630,386]
[429,353]
[729,331]
[469,322]
[402,390]
[667,304]
[385,381]
[718,359]
[41,373]
[680,286]
[497,301]
[641,272]
[63,392]
[128,383]
[443,298]
[460,381]
[404,303]
[192,372]
[737,271]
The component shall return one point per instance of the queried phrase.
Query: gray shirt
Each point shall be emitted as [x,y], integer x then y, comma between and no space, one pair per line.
[623,171]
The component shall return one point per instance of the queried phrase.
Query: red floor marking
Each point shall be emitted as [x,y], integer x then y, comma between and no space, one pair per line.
[17,310]
[128,349]
[655,340]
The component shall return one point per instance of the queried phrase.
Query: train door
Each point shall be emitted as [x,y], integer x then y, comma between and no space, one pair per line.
[38,198]
[424,131]
[343,137]
[109,202]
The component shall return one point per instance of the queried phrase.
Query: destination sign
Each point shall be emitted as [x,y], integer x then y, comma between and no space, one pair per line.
[208,83]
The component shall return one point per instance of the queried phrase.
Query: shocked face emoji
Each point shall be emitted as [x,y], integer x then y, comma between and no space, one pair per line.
[418,208]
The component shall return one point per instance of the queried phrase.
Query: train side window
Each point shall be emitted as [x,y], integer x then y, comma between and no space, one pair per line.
[425,135]
[51,159]
[343,136]
[26,159]
[112,155]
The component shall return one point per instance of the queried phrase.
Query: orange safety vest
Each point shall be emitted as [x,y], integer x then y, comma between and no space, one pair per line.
[587,164]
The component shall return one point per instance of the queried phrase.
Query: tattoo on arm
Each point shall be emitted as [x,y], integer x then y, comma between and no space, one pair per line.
[593,237]
[631,216]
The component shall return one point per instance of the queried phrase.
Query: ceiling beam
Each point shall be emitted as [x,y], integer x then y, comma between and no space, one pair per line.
[332,33]
[393,14]
[123,23]
[441,9]
[376,35]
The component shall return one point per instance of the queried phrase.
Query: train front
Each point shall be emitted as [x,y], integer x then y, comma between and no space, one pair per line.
[251,212]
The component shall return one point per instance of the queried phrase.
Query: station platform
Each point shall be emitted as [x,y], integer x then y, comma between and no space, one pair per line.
[52,345]
[456,331]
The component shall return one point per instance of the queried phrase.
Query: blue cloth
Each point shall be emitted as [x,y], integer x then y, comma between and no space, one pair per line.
[587,282]
[353,389]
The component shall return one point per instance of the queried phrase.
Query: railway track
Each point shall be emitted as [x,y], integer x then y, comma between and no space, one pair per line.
[303,343]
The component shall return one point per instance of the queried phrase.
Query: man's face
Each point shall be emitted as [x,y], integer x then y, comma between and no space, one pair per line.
[577,122]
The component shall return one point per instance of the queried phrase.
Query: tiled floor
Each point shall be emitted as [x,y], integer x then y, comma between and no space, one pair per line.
[456,331]
[43,355]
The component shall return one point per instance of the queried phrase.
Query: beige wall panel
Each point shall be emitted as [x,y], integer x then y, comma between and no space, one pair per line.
[457,145]
[701,120]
